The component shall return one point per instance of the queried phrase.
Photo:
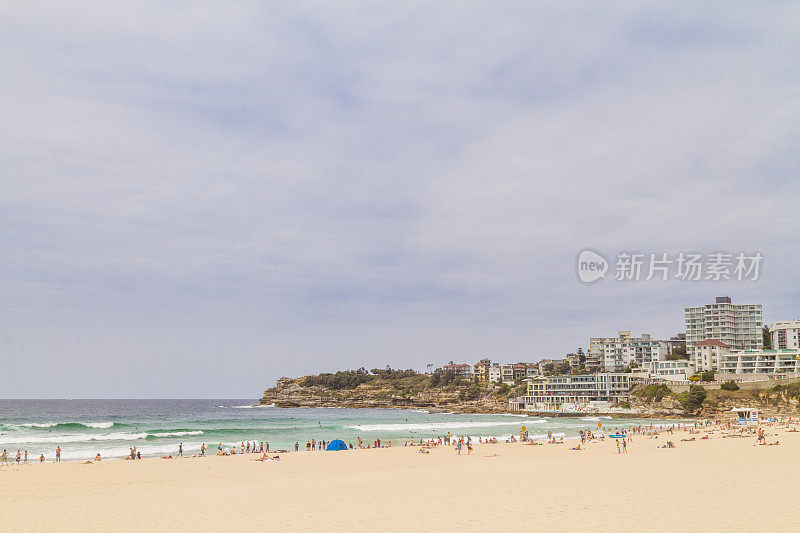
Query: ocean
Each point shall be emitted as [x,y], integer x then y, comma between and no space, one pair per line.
[83,428]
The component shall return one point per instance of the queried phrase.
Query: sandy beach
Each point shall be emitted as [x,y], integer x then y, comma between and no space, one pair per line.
[715,483]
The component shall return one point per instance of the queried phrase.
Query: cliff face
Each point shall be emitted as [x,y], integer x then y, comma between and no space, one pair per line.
[380,393]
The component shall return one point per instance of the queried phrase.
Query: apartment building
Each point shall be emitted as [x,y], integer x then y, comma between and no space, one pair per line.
[616,353]
[738,326]
[462,371]
[494,373]
[706,354]
[678,370]
[555,391]
[785,335]
[481,370]
[781,361]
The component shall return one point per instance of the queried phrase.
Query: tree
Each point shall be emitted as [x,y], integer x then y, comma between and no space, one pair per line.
[767,338]
[564,368]
[729,385]
[581,359]
[708,375]
[693,399]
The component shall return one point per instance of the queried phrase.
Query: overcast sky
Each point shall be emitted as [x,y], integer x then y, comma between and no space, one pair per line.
[196,199]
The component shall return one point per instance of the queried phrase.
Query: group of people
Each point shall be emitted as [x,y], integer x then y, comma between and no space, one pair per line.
[22,456]
[261,447]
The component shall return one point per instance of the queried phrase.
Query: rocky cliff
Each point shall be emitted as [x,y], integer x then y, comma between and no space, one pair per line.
[408,392]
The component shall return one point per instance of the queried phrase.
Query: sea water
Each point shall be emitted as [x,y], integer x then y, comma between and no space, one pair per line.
[84,428]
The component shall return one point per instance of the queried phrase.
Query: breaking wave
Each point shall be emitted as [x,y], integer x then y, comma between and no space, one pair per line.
[430,426]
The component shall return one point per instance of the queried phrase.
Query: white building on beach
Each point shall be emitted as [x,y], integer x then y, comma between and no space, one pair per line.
[548,393]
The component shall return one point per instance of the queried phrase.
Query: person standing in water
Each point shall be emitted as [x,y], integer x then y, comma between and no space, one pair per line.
[58,454]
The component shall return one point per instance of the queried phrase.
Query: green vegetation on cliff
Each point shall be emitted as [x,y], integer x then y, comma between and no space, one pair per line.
[390,388]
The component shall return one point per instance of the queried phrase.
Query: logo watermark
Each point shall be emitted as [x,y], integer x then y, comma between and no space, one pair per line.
[683,266]
[591,266]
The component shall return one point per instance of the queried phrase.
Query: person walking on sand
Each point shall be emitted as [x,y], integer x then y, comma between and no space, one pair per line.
[624,446]
[58,454]
[618,450]
[458,447]
[26,456]
[19,457]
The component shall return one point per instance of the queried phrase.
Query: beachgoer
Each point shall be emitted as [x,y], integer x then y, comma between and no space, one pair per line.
[41,458]
[180,450]
[58,454]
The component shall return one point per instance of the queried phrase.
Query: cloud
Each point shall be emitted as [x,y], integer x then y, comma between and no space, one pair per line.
[232,193]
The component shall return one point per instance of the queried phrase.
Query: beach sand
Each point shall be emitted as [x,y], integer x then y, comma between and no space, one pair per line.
[710,484]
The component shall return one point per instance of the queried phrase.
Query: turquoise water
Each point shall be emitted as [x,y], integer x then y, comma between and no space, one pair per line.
[83,428]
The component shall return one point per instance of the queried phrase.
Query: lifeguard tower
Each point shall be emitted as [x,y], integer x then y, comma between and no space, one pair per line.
[746,416]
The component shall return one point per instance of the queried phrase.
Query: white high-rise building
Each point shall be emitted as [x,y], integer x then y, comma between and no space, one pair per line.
[738,326]
[616,353]
[785,335]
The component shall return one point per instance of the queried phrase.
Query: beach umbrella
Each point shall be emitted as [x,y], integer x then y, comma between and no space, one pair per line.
[336,445]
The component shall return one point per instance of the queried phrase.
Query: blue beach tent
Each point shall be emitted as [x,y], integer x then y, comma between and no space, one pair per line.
[336,446]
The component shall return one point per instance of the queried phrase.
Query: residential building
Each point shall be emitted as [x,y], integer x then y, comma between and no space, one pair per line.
[507,373]
[481,370]
[678,370]
[617,353]
[532,371]
[494,373]
[782,361]
[520,371]
[462,371]
[738,326]
[555,391]
[785,335]
[705,355]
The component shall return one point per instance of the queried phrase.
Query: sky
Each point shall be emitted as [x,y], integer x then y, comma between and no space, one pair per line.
[198,198]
